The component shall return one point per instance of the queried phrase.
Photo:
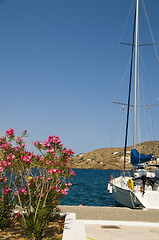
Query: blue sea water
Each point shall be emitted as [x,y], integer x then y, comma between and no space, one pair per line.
[89,188]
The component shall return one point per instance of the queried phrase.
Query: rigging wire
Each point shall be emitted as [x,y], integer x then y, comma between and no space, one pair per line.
[121,126]
[125,27]
[152,125]
[153,40]
[112,125]
[143,4]
[143,125]
[146,71]
[139,56]
[140,121]
[138,100]
[123,77]
[126,22]
[150,81]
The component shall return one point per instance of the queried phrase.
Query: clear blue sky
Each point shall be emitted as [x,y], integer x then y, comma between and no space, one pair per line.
[60,66]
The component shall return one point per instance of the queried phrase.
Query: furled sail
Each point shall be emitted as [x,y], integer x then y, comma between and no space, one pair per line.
[137,158]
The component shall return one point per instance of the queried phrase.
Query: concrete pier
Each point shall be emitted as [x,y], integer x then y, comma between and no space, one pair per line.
[112,213]
[114,223]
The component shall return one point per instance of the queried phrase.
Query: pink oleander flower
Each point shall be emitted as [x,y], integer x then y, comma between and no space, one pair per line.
[9,164]
[5,145]
[16,148]
[11,157]
[19,139]
[1,169]
[3,164]
[10,132]
[39,158]
[46,143]
[48,162]
[56,139]
[50,138]
[22,190]
[23,145]
[72,173]
[64,150]
[52,171]
[26,158]
[57,190]
[64,191]
[69,184]
[6,190]
[17,214]
[70,152]
[38,143]
[50,150]
[2,140]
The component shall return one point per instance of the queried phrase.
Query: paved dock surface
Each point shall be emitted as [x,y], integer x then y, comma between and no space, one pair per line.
[112,213]
[116,223]
[97,232]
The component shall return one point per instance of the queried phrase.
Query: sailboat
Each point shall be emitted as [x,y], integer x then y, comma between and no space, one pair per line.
[141,190]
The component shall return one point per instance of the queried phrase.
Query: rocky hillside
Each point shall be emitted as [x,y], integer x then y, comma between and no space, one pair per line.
[112,158]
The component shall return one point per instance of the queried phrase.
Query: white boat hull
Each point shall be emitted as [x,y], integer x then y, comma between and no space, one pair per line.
[126,197]
[133,198]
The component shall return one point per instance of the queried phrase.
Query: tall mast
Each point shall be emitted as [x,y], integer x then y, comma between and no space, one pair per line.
[135,70]
[131,68]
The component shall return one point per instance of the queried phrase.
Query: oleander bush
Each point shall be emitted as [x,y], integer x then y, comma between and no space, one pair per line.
[30,184]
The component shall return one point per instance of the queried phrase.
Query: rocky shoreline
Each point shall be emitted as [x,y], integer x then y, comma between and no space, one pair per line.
[111,158]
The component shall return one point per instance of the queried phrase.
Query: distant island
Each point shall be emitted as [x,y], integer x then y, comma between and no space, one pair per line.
[112,158]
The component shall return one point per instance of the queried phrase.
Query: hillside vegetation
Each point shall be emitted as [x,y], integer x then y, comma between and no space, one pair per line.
[112,158]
